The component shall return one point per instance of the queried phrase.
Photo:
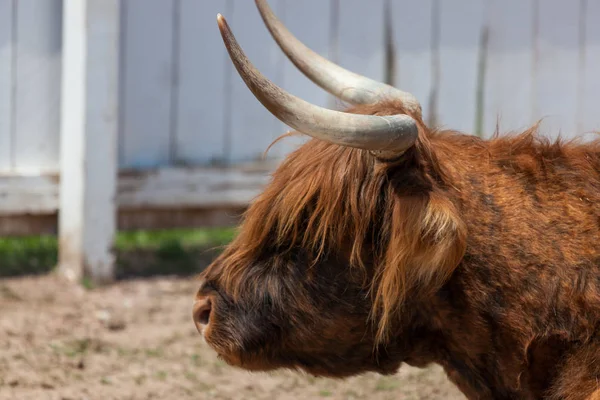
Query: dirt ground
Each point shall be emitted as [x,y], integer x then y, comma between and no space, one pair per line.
[135,340]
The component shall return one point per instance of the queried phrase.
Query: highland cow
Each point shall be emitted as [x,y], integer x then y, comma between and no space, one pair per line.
[384,241]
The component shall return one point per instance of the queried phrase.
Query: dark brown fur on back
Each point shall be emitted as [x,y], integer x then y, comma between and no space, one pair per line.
[479,255]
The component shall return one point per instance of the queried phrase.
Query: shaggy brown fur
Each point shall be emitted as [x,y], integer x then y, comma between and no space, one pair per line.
[480,256]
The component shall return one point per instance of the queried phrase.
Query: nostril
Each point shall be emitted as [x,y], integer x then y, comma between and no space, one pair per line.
[204,317]
[202,309]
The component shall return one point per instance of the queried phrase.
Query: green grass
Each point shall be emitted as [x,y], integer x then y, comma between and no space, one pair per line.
[184,237]
[139,253]
[29,255]
[386,384]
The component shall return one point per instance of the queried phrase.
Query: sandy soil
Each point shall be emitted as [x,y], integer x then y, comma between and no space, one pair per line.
[135,340]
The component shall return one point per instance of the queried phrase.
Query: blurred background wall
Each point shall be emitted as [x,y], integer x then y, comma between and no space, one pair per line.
[182,103]
[190,135]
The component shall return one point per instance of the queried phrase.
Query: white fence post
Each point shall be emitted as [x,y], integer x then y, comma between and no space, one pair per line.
[89,126]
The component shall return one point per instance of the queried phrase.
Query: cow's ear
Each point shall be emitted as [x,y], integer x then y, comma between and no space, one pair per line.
[427,240]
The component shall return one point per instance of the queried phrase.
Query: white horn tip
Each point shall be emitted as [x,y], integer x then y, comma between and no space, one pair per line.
[221,22]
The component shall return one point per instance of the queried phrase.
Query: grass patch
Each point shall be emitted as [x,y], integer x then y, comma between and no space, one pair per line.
[161,376]
[28,255]
[105,381]
[139,253]
[184,237]
[387,384]
[154,353]
[87,283]
[79,347]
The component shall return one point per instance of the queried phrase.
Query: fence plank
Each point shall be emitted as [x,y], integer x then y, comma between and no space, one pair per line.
[167,188]
[590,84]
[201,80]
[309,21]
[33,194]
[147,82]
[37,96]
[6,73]
[87,217]
[412,35]
[557,67]
[360,37]
[508,97]
[251,127]
[172,188]
[461,23]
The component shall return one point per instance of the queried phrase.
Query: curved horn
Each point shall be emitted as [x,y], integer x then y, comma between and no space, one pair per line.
[338,81]
[391,134]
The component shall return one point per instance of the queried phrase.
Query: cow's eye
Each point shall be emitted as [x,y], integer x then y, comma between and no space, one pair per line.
[209,287]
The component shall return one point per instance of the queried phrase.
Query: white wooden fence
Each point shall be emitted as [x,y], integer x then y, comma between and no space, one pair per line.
[127,113]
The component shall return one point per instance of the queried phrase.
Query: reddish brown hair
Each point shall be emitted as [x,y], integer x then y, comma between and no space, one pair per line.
[324,196]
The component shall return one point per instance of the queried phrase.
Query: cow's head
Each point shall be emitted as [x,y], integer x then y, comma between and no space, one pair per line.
[354,227]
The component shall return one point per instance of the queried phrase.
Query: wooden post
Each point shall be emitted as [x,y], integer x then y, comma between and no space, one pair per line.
[89,125]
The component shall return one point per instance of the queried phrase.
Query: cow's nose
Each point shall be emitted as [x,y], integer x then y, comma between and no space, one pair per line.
[201,312]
